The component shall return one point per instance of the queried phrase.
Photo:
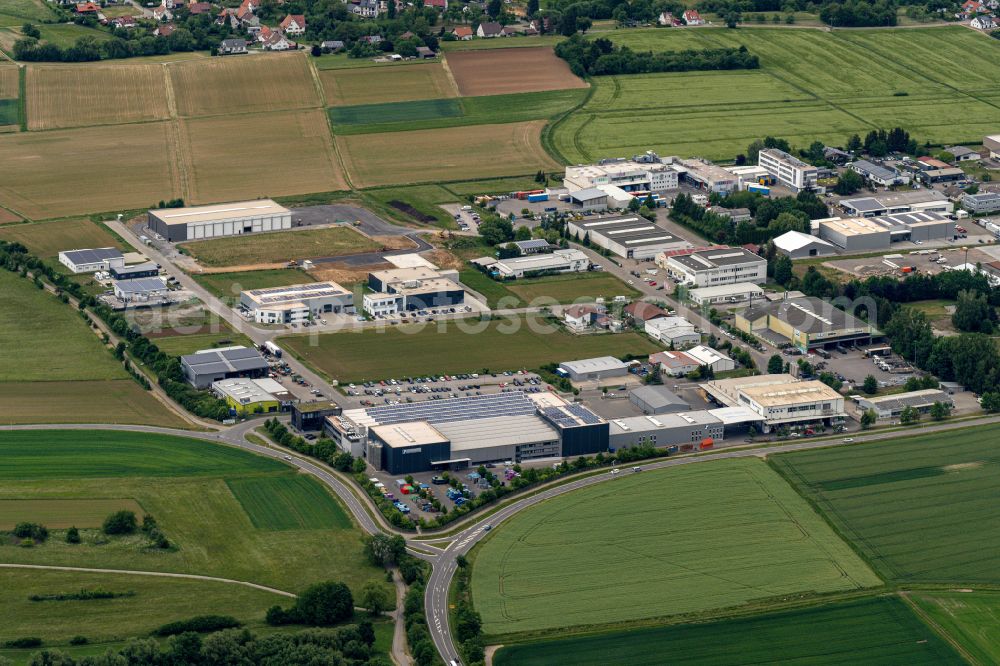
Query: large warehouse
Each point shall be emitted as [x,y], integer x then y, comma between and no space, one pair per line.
[806,323]
[467,431]
[858,234]
[710,268]
[297,302]
[684,430]
[590,369]
[631,237]
[797,245]
[232,219]
[211,365]
[888,203]
[560,261]
[657,399]
[780,400]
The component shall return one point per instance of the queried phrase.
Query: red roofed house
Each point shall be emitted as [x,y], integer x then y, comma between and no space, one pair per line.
[462,32]
[580,317]
[294,24]
[692,17]
[164,30]
[277,41]
[87,8]
[161,13]
[440,5]
[199,8]
[674,363]
[641,312]
[123,22]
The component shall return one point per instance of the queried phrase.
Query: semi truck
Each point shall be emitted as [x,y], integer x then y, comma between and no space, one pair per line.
[272,349]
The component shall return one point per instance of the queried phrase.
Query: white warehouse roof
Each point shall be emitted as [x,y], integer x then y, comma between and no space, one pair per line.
[599,364]
[796,240]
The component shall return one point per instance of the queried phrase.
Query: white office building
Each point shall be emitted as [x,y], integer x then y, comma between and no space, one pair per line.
[381,305]
[91,261]
[560,261]
[710,268]
[790,171]
[780,400]
[296,303]
[652,174]
[676,332]
[725,293]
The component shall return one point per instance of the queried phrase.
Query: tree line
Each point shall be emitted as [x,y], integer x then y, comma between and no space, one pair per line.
[600,57]
[771,217]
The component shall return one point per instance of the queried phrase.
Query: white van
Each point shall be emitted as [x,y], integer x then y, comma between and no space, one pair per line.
[615,471]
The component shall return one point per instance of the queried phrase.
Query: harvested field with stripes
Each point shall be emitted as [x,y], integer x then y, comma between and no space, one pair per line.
[501,71]
[376,85]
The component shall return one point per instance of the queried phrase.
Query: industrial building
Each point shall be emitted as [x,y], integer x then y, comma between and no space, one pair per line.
[253,396]
[143,270]
[91,261]
[140,290]
[797,245]
[674,363]
[296,303]
[211,365]
[466,431]
[589,369]
[675,332]
[807,323]
[790,171]
[232,219]
[591,198]
[381,305]
[706,176]
[647,176]
[889,203]
[310,416]
[889,407]
[780,400]
[631,237]
[982,204]
[682,431]
[878,174]
[418,288]
[859,234]
[533,246]
[560,261]
[715,360]
[963,153]
[725,293]
[992,144]
[657,399]
[710,268]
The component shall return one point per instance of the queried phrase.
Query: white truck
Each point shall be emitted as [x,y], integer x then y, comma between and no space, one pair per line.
[272,349]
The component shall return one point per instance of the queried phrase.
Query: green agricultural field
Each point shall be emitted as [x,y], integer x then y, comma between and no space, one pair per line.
[287,503]
[187,485]
[920,509]
[228,286]
[179,345]
[279,247]
[438,113]
[569,288]
[661,543]
[477,44]
[26,9]
[47,239]
[65,35]
[870,631]
[9,114]
[78,401]
[467,345]
[491,186]
[971,618]
[62,513]
[156,602]
[812,85]
[45,340]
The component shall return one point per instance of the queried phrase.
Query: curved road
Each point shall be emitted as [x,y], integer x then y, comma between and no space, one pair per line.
[444,561]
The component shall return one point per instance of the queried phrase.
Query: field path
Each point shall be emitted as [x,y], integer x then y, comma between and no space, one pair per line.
[161,574]
[178,165]
[937,628]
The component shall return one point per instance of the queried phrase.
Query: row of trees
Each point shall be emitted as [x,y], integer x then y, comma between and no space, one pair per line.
[601,57]
[772,217]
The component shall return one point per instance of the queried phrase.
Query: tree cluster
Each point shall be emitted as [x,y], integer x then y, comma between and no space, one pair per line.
[600,57]
[321,605]
[859,13]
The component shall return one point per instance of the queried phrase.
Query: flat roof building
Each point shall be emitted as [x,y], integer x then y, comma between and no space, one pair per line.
[790,171]
[684,430]
[91,261]
[807,323]
[143,270]
[982,204]
[560,261]
[650,175]
[707,176]
[889,407]
[879,232]
[878,174]
[590,198]
[676,332]
[533,246]
[657,399]
[253,396]
[296,303]
[725,293]
[631,237]
[797,245]
[710,268]
[992,144]
[231,219]
[780,399]
[309,416]
[599,368]
[140,290]
[888,203]
[418,288]
[211,365]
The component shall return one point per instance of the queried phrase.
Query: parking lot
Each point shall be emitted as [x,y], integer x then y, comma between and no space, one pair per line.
[420,495]
[851,366]
[415,389]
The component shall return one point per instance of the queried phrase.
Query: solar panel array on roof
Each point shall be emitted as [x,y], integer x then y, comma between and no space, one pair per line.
[93,256]
[582,413]
[515,403]
[559,417]
[225,360]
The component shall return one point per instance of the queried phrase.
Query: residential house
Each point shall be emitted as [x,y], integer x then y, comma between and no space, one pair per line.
[161,13]
[406,35]
[674,363]
[164,30]
[124,22]
[971,8]
[440,5]
[276,41]
[294,24]
[462,33]
[425,52]
[199,8]
[88,8]
[582,317]
[232,46]
[173,4]
[984,22]
[668,20]
[489,30]
[509,31]
[374,40]
[640,312]
[365,8]
[692,17]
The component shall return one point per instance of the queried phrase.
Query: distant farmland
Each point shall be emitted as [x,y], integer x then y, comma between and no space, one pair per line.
[501,71]
[74,95]
[870,631]
[660,543]
[48,239]
[376,85]
[446,347]
[920,508]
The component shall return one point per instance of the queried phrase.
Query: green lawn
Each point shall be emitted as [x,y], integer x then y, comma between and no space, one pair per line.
[274,248]
[920,509]
[217,505]
[26,10]
[870,631]
[423,198]
[43,339]
[505,43]
[468,345]
[433,114]
[228,286]
[64,35]
[179,345]
[971,618]
[568,288]
[690,539]
[812,85]
[62,513]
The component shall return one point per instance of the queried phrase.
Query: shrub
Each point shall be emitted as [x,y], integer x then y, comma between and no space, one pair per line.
[120,522]
[31,531]
[78,640]
[20,643]
[200,624]
[322,604]
[72,535]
